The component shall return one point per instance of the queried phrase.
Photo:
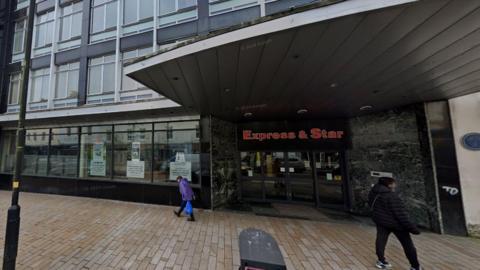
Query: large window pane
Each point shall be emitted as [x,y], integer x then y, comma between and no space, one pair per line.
[176,152]
[14,89]
[95,80]
[95,155]
[64,155]
[111,15]
[36,152]
[67,81]
[44,29]
[40,85]
[109,78]
[167,6]
[186,3]
[98,16]
[146,9]
[130,11]
[133,155]
[7,152]
[19,37]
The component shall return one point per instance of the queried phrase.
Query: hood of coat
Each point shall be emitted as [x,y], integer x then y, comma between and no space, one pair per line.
[378,189]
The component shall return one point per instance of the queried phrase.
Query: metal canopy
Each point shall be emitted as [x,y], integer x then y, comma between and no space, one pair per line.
[384,58]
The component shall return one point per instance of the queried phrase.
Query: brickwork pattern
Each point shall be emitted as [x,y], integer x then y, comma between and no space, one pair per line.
[60,232]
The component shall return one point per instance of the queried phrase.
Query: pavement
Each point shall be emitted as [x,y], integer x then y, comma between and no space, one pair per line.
[60,232]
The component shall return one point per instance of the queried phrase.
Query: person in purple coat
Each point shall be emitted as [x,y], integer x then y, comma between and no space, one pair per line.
[187,196]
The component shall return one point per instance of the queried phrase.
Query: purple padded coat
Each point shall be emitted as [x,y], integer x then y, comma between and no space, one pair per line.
[186,190]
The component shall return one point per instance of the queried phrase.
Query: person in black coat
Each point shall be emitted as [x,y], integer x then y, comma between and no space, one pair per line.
[390,216]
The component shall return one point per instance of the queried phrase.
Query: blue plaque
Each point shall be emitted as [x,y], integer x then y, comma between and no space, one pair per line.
[471,141]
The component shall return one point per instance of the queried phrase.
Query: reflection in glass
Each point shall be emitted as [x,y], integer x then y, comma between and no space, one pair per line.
[95,155]
[275,170]
[251,163]
[133,152]
[36,152]
[64,155]
[329,175]
[7,151]
[300,176]
[178,148]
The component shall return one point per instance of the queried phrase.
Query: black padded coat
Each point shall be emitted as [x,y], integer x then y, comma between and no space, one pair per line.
[389,210]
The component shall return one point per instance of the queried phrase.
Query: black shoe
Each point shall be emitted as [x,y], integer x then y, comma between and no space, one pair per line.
[176,213]
[191,219]
[383,265]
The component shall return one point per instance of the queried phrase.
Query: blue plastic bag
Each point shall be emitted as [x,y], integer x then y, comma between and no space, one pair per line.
[189,208]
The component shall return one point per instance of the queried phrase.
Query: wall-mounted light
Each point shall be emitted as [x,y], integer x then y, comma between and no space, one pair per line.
[248,114]
[366,108]
[302,111]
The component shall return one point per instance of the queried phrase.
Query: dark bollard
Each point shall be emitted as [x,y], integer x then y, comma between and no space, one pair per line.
[259,251]
[11,237]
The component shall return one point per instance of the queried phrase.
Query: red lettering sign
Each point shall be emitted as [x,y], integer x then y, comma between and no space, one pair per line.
[315,134]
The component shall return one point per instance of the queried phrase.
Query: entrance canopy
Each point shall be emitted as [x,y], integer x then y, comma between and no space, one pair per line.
[326,61]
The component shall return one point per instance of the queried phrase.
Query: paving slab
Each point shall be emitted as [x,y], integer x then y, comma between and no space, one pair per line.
[61,232]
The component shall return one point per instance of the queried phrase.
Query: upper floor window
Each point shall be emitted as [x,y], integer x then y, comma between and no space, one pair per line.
[44,29]
[67,81]
[40,85]
[222,6]
[137,11]
[129,84]
[172,6]
[14,89]
[104,15]
[101,75]
[22,4]
[71,21]
[19,37]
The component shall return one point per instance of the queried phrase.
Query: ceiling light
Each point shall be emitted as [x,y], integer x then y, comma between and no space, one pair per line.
[302,111]
[248,114]
[366,108]
[227,90]
[333,85]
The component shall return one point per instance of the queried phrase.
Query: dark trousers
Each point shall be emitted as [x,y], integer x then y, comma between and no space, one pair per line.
[182,206]
[404,238]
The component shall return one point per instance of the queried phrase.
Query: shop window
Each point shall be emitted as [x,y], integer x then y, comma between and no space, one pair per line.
[178,154]
[129,84]
[133,152]
[67,81]
[44,30]
[40,85]
[136,11]
[101,75]
[251,164]
[7,151]
[36,152]
[63,160]
[14,89]
[104,15]
[96,152]
[19,37]
[71,21]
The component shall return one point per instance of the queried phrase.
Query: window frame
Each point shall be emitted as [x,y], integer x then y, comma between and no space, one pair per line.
[32,90]
[177,10]
[63,16]
[19,80]
[67,71]
[138,19]
[46,24]
[23,33]
[104,5]
[102,74]
[123,60]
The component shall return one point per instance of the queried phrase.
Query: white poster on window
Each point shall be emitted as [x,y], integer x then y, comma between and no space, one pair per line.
[183,169]
[136,151]
[135,169]
[98,164]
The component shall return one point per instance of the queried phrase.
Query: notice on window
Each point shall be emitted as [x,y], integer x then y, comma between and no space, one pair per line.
[135,169]
[183,169]
[136,151]
[98,163]
[329,177]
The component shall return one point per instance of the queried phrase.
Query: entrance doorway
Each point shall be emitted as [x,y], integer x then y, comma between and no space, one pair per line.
[293,176]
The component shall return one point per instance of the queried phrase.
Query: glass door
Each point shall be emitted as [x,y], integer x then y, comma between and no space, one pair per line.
[328,167]
[300,177]
[275,171]
[251,164]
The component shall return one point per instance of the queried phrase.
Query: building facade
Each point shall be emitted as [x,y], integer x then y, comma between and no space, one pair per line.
[98,129]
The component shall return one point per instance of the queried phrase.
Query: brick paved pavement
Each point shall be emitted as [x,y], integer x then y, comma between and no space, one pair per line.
[80,233]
